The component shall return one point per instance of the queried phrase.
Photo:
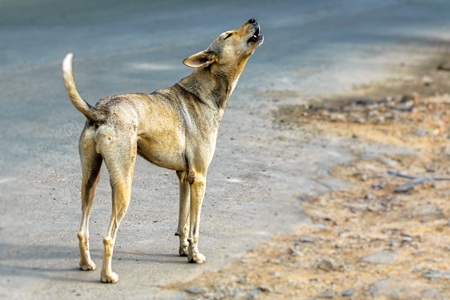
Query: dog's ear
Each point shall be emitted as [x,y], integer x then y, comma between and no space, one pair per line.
[201,59]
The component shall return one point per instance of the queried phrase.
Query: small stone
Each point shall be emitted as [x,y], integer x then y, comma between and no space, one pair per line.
[295,252]
[277,261]
[381,257]
[446,150]
[407,239]
[405,105]
[427,210]
[432,275]
[375,207]
[444,66]
[194,290]
[325,265]
[430,169]
[403,188]
[253,294]
[394,243]
[369,197]
[348,293]
[329,264]
[318,226]
[379,185]
[326,295]
[420,132]
[306,239]
[241,280]
[432,293]
[265,288]
[379,119]
[389,162]
[427,80]
[336,117]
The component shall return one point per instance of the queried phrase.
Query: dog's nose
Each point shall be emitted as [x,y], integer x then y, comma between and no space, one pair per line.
[252,21]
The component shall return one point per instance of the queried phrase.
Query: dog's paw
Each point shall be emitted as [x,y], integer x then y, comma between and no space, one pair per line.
[87,265]
[197,258]
[183,250]
[110,278]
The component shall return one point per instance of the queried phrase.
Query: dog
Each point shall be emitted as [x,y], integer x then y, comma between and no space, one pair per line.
[174,128]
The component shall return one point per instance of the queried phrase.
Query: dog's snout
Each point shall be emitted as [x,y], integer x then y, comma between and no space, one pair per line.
[252,21]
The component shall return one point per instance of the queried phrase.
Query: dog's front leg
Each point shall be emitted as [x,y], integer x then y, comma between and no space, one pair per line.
[198,185]
[183,217]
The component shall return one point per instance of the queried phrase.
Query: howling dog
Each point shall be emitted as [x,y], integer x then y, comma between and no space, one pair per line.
[175,128]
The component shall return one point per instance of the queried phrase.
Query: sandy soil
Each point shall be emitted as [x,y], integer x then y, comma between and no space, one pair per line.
[387,235]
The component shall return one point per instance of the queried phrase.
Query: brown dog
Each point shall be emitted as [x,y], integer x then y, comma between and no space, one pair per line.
[174,128]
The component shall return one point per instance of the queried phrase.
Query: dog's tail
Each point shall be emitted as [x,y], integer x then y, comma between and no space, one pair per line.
[71,89]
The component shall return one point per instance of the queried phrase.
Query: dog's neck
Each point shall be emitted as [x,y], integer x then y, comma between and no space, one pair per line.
[212,85]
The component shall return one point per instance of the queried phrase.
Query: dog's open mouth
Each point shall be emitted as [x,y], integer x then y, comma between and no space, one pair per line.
[256,38]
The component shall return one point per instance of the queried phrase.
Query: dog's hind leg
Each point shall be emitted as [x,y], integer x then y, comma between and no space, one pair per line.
[197,181]
[91,163]
[183,217]
[119,157]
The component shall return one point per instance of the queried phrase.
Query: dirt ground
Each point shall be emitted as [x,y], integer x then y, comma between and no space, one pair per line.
[386,236]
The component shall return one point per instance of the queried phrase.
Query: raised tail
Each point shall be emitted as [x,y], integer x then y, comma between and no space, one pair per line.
[71,89]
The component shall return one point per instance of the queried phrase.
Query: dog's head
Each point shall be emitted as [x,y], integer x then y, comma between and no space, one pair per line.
[231,48]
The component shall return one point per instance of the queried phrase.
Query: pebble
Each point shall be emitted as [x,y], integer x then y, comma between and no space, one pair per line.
[318,227]
[241,280]
[295,252]
[394,243]
[444,66]
[431,275]
[348,293]
[427,80]
[326,295]
[394,288]
[336,117]
[306,239]
[265,288]
[253,294]
[381,257]
[420,132]
[403,188]
[431,293]
[379,185]
[446,150]
[194,290]
[370,197]
[379,119]
[404,106]
[329,264]
[325,265]
[427,210]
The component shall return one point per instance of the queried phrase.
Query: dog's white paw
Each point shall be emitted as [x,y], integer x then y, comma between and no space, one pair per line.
[197,258]
[110,278]
[87,265]
[183,251]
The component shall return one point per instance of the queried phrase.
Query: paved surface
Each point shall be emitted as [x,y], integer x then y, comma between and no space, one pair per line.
[259,172]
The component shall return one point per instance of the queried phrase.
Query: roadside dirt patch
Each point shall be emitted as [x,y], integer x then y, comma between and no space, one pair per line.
[386,237]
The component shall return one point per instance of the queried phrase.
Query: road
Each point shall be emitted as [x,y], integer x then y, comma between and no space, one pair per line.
[260,171]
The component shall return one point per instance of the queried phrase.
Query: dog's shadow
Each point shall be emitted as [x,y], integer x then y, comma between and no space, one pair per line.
[148,257]
[60,263]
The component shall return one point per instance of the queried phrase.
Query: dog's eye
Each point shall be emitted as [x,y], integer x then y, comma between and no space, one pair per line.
[228,35]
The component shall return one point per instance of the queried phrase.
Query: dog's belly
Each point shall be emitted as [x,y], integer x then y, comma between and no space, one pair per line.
[166,154]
